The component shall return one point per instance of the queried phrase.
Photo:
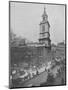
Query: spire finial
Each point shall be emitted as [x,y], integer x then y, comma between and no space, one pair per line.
[44,13]
[44,9]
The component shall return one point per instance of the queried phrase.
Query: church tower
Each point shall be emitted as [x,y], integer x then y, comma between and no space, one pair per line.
[44,30]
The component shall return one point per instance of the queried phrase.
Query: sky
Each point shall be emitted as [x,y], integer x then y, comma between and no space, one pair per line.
[26,17]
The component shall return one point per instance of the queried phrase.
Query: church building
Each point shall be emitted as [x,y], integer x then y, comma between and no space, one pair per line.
[44,30]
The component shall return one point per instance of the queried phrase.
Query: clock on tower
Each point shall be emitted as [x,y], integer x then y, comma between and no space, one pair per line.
[44,30]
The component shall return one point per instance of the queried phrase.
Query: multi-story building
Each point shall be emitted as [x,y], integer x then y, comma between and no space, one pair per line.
[60,50]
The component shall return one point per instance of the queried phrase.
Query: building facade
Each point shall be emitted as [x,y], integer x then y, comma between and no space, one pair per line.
[60,50]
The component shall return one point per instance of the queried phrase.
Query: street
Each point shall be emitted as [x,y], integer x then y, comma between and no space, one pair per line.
[35,81]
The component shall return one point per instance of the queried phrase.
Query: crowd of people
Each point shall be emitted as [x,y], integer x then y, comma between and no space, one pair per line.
[21,75]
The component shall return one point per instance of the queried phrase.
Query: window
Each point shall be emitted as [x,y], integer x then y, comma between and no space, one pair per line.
[43,28]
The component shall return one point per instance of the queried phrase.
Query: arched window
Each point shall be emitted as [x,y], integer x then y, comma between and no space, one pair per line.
[43,28]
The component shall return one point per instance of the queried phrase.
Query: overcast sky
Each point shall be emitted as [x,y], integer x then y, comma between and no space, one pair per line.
[26,17]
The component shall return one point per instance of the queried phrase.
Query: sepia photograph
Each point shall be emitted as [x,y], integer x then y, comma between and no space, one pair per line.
[37,44]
